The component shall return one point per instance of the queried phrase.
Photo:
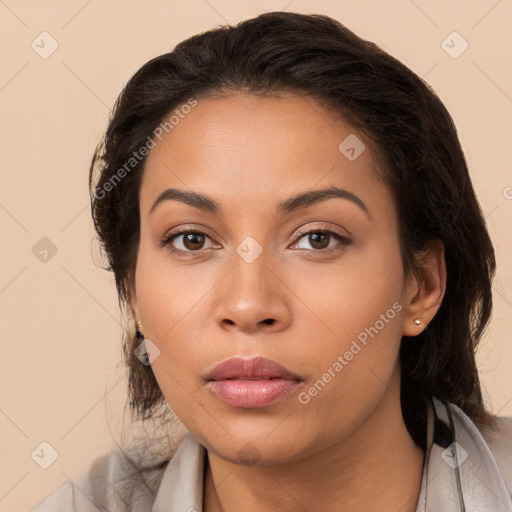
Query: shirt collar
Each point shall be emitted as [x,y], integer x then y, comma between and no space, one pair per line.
[181,487]
[459,472]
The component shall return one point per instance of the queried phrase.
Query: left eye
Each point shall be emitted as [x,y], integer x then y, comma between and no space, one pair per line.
[319,239]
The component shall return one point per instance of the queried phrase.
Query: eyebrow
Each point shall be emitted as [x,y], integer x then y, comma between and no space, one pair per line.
[297,202]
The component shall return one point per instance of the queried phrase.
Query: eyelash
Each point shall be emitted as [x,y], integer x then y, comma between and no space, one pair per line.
[166,241]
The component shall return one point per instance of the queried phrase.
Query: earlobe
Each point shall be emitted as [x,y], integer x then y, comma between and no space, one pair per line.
[426,290]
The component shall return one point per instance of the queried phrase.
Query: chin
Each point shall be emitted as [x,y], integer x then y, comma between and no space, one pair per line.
[257,446]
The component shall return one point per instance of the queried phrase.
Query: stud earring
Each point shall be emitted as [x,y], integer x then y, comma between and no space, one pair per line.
[417,321]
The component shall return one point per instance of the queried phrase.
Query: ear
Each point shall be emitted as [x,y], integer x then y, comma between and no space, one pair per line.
[424,289]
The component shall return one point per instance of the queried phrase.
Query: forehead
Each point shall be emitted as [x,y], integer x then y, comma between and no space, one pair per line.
[244,149]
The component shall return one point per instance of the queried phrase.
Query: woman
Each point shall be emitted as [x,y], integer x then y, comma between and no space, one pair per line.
[318,341]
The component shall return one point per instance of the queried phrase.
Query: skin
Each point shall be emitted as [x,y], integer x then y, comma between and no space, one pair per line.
[347,449]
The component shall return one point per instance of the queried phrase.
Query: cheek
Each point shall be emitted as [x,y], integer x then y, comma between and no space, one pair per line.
[357,307]
[170,295]
[173,304]
[347,297]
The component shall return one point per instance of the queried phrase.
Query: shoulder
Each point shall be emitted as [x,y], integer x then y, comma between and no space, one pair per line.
[499,441]
[113,482]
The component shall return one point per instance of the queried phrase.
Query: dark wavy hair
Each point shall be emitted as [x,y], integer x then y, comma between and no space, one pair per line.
[411,134]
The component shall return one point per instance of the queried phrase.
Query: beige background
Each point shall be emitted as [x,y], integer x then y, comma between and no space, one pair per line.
[61,379]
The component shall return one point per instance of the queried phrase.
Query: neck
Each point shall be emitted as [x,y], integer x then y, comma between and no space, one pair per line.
[377,467]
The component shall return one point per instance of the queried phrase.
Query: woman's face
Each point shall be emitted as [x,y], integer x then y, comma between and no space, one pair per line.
[260,280]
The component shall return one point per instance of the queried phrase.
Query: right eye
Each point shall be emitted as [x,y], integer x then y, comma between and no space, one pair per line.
[193,241]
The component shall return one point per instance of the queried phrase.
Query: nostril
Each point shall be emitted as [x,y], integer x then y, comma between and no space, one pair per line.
[269,321]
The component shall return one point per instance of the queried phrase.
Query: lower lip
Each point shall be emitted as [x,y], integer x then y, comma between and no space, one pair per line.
[252,393]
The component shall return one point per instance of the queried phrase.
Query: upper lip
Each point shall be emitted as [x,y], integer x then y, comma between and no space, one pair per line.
[239,367]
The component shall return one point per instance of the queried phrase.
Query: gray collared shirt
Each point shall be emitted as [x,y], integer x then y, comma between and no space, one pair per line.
[460,474]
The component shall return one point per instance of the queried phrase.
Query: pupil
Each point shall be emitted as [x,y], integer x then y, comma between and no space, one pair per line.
[314,241]
[189,238]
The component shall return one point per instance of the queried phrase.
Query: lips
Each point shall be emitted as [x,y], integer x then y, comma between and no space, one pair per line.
[257,368]
[252,383]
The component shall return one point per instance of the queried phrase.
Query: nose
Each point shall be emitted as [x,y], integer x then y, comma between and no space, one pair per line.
[253,297]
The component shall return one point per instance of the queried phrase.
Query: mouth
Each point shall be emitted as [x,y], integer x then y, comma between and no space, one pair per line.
[255,368]
[252,383]
[259,377]
[252,393]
